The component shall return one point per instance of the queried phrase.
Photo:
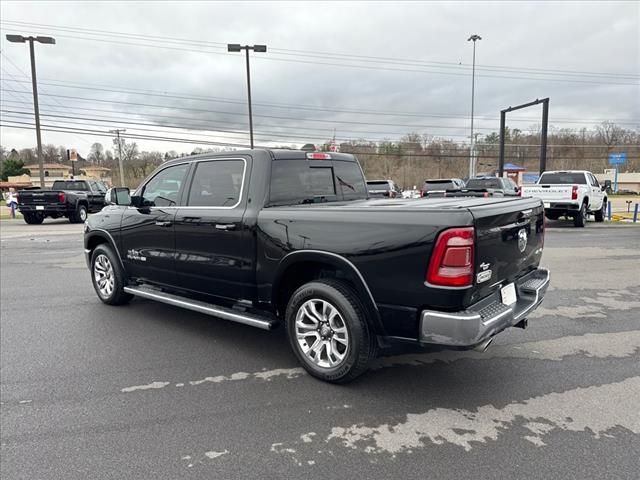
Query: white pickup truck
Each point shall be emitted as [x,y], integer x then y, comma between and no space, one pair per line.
[571,193]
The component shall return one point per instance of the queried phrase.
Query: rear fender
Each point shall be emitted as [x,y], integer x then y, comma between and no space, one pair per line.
[340,263]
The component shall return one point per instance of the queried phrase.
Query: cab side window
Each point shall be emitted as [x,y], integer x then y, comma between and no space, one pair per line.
[163,189]
[217,183]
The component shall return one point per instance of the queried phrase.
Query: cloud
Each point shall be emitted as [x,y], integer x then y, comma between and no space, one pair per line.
[553,36]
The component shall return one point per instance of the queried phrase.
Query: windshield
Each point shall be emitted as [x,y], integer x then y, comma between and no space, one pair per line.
[433,185]
[300,181]
[483,183]
[562,178]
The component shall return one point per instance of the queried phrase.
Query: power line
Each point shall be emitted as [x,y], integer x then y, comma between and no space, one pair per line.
[63,129]
[266,135]
[127,90]
[315,54]
[298,119]
[376,67]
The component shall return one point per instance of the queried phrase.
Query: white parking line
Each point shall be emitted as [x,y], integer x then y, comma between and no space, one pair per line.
[599,345]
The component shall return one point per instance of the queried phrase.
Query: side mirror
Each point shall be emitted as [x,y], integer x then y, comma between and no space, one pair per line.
[607,185]
[117,196]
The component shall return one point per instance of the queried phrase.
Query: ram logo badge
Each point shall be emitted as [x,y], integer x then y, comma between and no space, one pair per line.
[522,240]
[483,276]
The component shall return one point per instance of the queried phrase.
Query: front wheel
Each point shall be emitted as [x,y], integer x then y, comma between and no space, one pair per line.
[600,214]
[108,277]
[328,331]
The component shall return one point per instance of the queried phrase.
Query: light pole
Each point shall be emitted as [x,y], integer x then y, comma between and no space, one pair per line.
[117,132]
[473,38]
[51,41]
[236,47]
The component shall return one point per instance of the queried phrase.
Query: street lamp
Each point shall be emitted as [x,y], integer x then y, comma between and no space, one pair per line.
[236,47]
[50,41]
[473,38]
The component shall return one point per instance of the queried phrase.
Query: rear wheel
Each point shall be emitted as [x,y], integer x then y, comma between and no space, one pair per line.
[80,215]
[328,331]
[600,214]
[108,277]
[33,218]
[580,218]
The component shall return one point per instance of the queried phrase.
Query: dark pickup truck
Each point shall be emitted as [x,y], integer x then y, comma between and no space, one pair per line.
[73,199]
[268,237]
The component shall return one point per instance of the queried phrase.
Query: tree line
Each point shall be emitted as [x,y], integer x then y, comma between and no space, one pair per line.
[407,160]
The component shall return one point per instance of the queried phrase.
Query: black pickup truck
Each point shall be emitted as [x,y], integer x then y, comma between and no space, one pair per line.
[268,237]
[73,199]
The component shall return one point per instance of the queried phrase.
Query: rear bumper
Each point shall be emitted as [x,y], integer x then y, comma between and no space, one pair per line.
[47,210]
[486,318]
[561,206]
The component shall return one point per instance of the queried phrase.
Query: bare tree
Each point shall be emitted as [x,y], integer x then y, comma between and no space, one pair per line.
[96,154]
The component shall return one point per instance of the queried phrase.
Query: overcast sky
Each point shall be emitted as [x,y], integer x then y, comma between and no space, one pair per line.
[368,70]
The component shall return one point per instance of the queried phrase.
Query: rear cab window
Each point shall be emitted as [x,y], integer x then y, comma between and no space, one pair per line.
[302,181]
[438,185]
[560,178]
[484,183]
[77,185]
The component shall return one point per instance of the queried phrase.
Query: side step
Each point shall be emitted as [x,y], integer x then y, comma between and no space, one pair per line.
[207,308]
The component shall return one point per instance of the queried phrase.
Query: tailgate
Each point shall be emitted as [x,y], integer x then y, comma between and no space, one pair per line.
[509,240]
[549,193]
[38,197]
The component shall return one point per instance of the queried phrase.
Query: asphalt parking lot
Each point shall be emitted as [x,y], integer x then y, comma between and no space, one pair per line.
[148,391]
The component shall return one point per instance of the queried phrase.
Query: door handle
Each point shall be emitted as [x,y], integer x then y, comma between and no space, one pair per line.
[163,224]
[225,226]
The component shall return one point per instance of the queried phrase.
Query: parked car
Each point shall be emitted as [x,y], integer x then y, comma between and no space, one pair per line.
[73,199]
[502,184]
[437,187]
[383,188]
[570,194]
[268,237]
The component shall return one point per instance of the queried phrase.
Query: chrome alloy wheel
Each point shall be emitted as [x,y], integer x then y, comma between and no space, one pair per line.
[103,275]
[322,333]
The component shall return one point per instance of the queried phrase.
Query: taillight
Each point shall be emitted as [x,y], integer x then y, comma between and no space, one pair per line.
[61,197]
[318,156]
[422,193]
[574,192]
[519,191]
[485,194]
[451,263]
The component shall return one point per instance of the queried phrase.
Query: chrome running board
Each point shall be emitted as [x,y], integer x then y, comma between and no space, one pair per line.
[203,307]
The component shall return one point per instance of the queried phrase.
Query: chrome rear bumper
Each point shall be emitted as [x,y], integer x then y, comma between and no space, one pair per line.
[486,318]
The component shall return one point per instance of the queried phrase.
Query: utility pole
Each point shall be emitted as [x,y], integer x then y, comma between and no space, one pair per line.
[34,84]
[473,38]
[235,47]
[117,132]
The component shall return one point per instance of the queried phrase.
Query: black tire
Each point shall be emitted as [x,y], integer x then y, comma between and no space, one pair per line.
[580,218]
[600,214]
[33,218]
[80,215]
[361,348]
[117,295]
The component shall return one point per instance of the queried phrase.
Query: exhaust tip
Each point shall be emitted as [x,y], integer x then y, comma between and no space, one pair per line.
[482,347]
